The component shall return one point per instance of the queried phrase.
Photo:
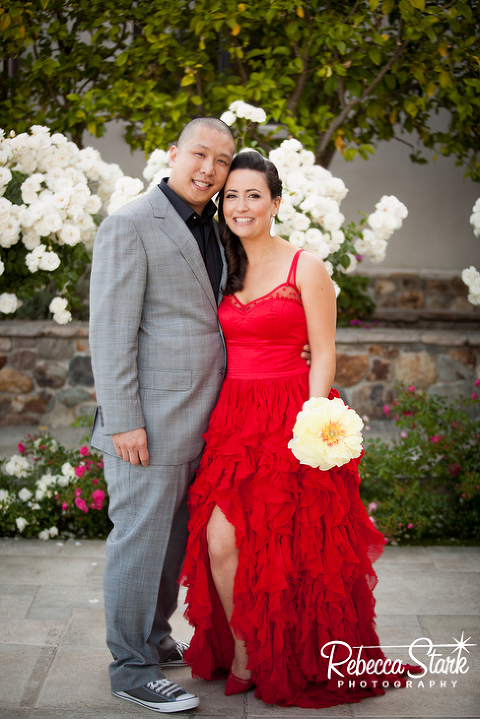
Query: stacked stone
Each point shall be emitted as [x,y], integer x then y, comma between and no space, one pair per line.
[371,361]
[425,296]
[45,373]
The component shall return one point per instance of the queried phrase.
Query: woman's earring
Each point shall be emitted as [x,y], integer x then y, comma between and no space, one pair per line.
[273,231]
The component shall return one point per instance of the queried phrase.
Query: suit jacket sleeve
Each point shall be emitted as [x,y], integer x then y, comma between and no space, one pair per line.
[117,286]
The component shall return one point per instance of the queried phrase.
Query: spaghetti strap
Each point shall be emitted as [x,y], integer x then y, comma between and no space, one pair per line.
[292,275]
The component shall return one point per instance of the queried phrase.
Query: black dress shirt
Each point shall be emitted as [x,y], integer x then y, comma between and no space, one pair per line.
[201,227]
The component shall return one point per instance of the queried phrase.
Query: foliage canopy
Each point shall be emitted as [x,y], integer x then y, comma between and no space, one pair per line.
[339,75]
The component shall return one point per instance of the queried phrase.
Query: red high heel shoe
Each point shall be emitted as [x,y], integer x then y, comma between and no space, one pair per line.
[235,685]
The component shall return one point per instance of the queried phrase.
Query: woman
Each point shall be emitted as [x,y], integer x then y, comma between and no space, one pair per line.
[279,558]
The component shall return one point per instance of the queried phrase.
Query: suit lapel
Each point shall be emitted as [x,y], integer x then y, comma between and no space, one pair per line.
[181,236]
[223,281]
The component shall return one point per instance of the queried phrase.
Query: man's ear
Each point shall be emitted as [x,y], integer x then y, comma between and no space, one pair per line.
[172,154]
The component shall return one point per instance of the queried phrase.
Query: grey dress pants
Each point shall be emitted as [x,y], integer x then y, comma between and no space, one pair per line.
[144,556]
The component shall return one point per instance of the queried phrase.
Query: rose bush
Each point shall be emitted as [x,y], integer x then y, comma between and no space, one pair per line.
[424,485]
[47,491]
[51,194]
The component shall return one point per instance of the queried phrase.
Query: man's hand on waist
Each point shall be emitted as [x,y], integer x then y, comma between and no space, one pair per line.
[132,446]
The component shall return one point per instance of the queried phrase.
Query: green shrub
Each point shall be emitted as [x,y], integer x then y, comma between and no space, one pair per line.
[48,491]
[425,484]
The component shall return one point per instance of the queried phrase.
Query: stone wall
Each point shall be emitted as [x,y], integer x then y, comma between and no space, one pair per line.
[46,376]
[420,297]
[45,373]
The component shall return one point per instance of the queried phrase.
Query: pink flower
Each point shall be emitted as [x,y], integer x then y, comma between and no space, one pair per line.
[356,323]
[84,450]
[474,395]
[89,465]
[386,408]
[21,448]
[100,464]
[373,521]
[372,507]
[477,382]
[42,446]
[81,504]
[400,524]
[403,434]
[411,388]
[463,496]
[98,496]
[435,438]
[410,526]
[80,471]
[78,492]
[94,481]
[64,506]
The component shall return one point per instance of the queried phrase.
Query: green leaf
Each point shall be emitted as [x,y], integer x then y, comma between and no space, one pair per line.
[387,6]
[419,4]
[374,55]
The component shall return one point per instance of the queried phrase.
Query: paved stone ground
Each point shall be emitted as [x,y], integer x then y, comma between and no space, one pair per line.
[53,660]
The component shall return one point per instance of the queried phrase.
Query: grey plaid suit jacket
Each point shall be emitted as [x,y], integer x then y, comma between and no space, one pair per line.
[158,353]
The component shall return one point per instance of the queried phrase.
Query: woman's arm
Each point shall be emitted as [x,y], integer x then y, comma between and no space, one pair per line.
[319,303]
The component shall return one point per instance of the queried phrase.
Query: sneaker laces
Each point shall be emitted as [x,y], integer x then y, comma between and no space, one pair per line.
[164,686]
[181,647]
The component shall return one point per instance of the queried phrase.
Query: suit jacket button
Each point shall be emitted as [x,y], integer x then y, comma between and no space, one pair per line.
[221,370]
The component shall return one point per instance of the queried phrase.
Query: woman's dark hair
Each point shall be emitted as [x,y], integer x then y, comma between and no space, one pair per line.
[234,252]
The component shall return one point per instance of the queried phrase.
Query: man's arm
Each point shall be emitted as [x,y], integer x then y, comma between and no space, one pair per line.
[117,287]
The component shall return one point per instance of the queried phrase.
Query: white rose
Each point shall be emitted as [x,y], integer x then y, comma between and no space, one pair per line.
[291,145]
[2,267]
[53,532]
[258,115]
[70,234]
[362,247]
[68,471]
[228,118]
[332,221]
[5,176]
[44,534]
[25,494]
[337,288]
[32,260]
[278,157]
[297,238]
[93,205]
[63,317]
[62,481]
[307,157]
[51,223]
[300,221]
[292,159]
[469,275]
[21,523]
[58,304]
[49,262]
[329,267]
[40,494]
[286,211]
[30,239]
[9,303]
[9,231]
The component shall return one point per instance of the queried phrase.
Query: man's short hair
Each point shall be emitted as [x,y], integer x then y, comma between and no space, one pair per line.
[213,123]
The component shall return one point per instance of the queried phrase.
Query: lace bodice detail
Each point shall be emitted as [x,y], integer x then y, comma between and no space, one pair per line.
[265,337]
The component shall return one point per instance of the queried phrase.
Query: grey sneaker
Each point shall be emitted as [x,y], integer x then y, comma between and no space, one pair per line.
[175,659]
[161,696]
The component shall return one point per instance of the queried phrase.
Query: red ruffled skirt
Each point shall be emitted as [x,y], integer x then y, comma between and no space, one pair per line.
[306,547]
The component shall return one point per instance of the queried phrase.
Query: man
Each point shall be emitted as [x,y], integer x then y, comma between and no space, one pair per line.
[159,359]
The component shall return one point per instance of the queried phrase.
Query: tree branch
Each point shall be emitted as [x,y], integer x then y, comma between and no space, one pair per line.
[335,124]
[347,17]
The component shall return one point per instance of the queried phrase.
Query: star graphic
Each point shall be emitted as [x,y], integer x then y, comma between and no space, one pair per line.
[462,644]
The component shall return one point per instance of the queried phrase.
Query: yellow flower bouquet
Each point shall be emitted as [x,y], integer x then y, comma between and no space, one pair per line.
[326,434]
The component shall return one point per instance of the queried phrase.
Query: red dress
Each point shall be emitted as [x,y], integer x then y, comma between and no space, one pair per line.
[305,541]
